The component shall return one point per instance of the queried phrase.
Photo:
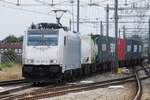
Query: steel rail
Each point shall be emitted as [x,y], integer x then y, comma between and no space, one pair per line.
[7,93]
[138,82]
[64,89]
[73,90]
[146,70]
[139,89]
[56,91]
[11,82]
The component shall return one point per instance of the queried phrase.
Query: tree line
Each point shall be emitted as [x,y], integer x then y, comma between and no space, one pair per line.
[12,39]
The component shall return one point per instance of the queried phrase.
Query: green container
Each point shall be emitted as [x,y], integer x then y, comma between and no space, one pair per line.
[104,49]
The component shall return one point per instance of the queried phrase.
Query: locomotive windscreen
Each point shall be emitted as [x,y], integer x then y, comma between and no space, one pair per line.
[42,38]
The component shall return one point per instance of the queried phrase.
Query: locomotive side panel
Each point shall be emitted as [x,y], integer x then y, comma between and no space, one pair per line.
[71,52]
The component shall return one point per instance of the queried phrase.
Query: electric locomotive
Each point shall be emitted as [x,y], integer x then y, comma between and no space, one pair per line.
[50,52]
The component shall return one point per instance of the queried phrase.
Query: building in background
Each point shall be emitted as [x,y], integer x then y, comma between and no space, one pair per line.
[16,47]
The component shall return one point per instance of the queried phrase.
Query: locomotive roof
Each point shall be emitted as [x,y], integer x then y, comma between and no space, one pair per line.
[48,26]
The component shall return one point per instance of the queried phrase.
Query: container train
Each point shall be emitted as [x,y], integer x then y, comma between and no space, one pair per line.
[52,52]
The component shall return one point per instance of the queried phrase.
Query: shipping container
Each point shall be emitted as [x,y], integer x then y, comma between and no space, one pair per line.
[121,50]
[129,49]
[112,46]
[89,49]
[103,49]
[135,45]
[137,49]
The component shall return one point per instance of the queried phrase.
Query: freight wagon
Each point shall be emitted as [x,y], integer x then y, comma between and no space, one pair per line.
[129,52]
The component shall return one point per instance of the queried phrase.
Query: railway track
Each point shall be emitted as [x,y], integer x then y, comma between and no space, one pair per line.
[11,82]
[14,86]
[8,92]
[142,67]
[62,89]
[146,70]
[52,91]
[139,87]
[138,81]
[73,89]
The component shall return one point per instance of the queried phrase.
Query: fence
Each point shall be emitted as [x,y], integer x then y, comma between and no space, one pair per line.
[10,58]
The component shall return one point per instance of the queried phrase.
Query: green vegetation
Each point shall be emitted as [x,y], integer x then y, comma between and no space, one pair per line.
[11,72]
[13,39]
[10,57]
[5,65]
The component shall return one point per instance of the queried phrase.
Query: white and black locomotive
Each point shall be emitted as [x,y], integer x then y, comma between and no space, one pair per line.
[50,52]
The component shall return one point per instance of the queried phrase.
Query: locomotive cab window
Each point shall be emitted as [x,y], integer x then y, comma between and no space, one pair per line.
[42,39]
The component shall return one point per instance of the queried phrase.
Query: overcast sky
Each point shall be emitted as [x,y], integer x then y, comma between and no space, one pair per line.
[14,20]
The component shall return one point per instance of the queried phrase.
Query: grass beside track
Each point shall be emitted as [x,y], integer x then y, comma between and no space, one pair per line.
[10,72]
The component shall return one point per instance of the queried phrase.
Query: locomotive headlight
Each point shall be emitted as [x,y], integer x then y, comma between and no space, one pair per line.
[53,61]
[30,61]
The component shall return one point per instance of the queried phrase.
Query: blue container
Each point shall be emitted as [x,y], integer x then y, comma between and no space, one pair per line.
[129,49]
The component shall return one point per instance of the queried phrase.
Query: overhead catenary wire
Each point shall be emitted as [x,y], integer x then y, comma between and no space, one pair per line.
[33,11]
[62,3]
[26,10]
[66,3]
[52,4]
